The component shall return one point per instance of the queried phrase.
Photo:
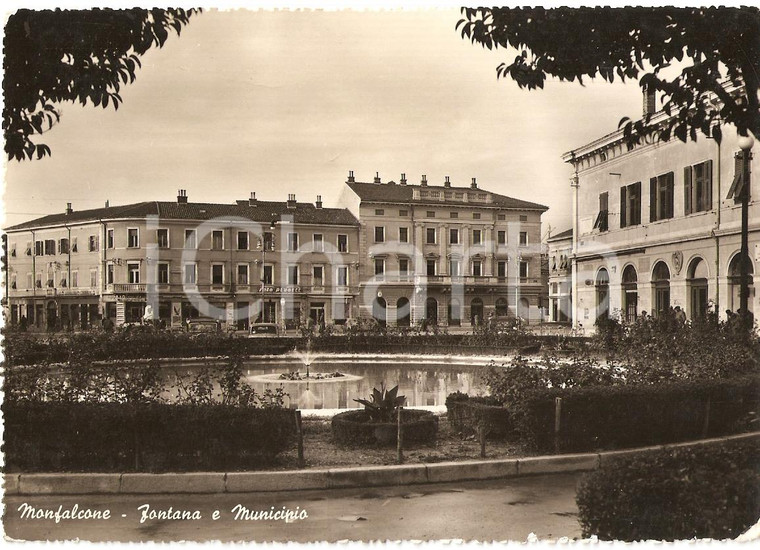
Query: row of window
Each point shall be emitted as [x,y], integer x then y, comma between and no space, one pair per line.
[476,268]
[697,194]
[452,215]
[218,274]
[431,236]
[48,247]
[51,281]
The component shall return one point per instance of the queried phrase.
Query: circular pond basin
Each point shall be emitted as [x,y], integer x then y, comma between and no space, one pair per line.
[426,381]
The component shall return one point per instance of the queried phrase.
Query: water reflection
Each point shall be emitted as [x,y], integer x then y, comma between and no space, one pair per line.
[422,385]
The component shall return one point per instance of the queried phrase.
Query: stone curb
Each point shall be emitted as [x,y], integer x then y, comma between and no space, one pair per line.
[333,478]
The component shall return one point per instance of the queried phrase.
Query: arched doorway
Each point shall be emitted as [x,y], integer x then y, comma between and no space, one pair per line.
[52,315]
[660,289]
[403,317]
[431,311]
[455,313]
[630,293]
[379,311]
[476,311]
[734,282]
[502,307]
[602,295]
[696,281]
[523,310]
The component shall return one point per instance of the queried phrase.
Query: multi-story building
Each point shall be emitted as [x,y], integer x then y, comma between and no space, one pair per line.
[445,254]
[171,261]
[659,226]
[560,276]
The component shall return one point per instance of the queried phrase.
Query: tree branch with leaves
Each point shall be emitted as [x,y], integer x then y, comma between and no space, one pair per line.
[84,56]
[716,49]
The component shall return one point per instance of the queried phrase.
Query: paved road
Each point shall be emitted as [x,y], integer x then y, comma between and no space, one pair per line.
[508,509]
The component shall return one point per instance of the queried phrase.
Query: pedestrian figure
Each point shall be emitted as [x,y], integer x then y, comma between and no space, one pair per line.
[680,315]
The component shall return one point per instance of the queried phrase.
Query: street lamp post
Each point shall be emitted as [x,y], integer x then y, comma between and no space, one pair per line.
[745,144]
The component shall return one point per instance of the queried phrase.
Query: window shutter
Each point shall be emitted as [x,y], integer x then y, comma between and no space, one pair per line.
[636,214]
[652,199]
[623,201]
[707,201]
[671,192]
[687,184]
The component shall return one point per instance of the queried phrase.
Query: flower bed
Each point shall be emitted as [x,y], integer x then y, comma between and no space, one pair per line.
[355,428]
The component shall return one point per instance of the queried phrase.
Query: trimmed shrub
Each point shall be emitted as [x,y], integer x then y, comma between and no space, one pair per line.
[355,428]
[103,437]
[465,414]
[599,417]
[675,494]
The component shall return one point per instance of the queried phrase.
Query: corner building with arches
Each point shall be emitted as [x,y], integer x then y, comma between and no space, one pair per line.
[658,226]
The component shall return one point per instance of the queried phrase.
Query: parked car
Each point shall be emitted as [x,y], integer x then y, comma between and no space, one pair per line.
[264,330]
[203,325]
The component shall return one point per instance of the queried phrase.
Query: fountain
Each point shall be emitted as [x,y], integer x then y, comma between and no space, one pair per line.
[307,399]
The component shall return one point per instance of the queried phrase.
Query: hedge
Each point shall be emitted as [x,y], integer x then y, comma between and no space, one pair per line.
[106,437]
[682,493]
[465,414]
[599,417]
[355,428]
[148,343]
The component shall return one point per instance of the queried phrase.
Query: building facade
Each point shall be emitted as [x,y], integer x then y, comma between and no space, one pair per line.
[443,254]
[560,277]
[659,227]
[252,261]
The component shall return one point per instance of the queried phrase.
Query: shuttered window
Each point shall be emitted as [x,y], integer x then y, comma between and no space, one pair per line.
[697,188]
[661,197]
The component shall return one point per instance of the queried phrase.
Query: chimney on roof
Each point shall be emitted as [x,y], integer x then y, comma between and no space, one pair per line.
[402,181]
[351,176]
[107,204]
[474,184]
[423,183]
[318,204]
[252,200]
[650,101]
[181,196]
[447,183]
[68,208]
[291,200]
[377,177]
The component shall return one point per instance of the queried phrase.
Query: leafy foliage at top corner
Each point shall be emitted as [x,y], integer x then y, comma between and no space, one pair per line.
[711,46]
[54,56]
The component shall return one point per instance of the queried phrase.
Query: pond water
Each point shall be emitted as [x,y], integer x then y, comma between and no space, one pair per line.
[426,381]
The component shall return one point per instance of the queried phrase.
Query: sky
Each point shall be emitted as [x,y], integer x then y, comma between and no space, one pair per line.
[281,102]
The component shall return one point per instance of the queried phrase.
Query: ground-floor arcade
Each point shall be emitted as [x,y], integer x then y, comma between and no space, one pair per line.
[693,277]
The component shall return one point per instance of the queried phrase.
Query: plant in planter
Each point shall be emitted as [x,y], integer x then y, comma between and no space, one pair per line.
[384,404]
[377,422]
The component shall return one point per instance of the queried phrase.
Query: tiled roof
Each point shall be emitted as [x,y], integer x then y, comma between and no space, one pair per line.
[559,236]
[305,213]
[384,192]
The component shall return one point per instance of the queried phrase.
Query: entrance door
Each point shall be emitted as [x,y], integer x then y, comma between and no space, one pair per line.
[52,316]
[403,311]
[317,313]
[476,311]
[431,311]
[241,310]
[270,312]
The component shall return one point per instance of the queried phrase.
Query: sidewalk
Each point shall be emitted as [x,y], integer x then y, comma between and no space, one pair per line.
[330,478]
